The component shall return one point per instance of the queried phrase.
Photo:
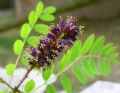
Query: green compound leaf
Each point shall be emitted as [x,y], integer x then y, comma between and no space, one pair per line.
[66,83]
[48,72]
[50,89]
[87,45]
[10,69]
[47,17]
[32,40]
[25,30]
[41,28]
[49,10]
[104,67]
[97,45]
[18,46]
[79,74]
[32,18]
[39,8]
[30,85]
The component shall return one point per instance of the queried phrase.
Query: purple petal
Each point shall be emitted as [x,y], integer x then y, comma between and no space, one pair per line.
[55,31]
[51,36]
[33,51]
[70,21]
[61,23]
[46,42]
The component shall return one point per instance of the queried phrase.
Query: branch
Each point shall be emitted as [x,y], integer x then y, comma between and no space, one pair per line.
[16,89]
[4,82]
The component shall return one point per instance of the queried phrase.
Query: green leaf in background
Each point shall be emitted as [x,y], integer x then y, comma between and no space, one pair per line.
[110,51]
[97,45]
[87,68]
[32,40]
[32,18]
[39,8]
[10,69]
[79,74]
[49,10]
[94,67]
[48,72]
[87,45]
[41,28]
[47,17]
[75,51]
[29,86]
[18,46]
[25,30]
[50,89]
[106,48]
[24,61]
[104,67]
[66,83]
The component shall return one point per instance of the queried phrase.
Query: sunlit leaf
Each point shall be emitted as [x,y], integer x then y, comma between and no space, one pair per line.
[66,83]
[47,17]
[18,46]
[48,72]
[32,18]
[29,86]
[3,91]
[41,28]
[39,8]
[32,40]
[87,45]
[50,89]
[64,61]
[24,61]
[97,45]
[25,30]
[75,51]
[10,69]
[79,74]
[49,10]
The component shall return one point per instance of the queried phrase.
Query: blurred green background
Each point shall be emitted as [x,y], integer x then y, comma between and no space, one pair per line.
[101,17]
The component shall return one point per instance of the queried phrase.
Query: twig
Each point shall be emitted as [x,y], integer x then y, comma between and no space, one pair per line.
[16,89]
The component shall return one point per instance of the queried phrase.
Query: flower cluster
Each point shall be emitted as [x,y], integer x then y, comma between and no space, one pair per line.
[60,37]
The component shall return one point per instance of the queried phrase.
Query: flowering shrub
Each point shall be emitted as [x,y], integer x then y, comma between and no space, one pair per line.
[61,42]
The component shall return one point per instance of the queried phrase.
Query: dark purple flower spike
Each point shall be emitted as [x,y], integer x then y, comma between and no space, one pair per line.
[60,37]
